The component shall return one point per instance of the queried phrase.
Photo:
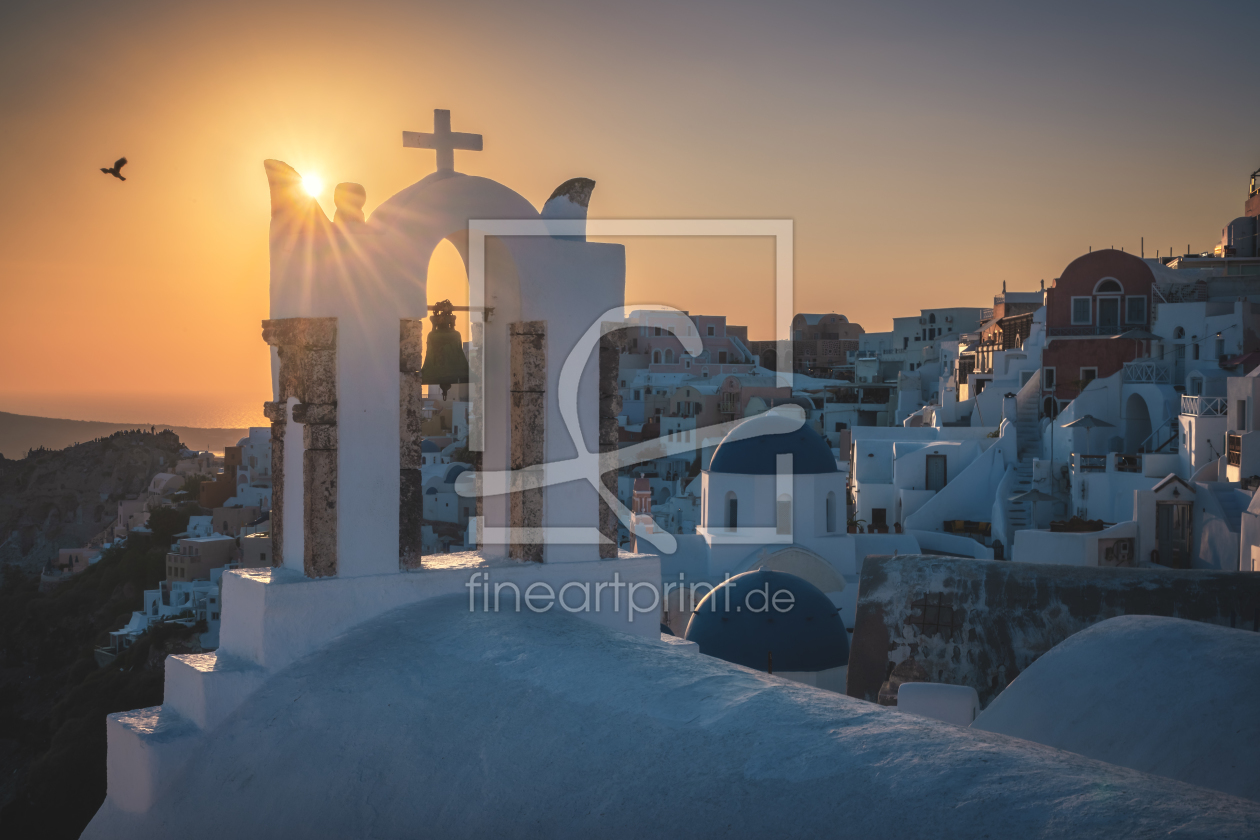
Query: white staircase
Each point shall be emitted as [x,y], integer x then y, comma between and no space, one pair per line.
[1028,446]
[1019,514]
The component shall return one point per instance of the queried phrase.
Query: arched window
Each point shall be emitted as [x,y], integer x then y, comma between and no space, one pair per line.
[669,357]
[1179,332]
[783,515]
[656,357]
[932,318]
[1108,286]
[732,511]
[831,512]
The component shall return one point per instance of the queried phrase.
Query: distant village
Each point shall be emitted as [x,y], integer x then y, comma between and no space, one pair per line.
[1105,418]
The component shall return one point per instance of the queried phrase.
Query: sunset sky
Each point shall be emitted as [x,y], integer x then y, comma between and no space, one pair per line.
[926,151]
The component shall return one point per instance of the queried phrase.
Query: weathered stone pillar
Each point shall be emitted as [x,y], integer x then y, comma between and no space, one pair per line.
[411,408]
[611,345]
[476,420]
[307,348]
[275,412]
[528,423]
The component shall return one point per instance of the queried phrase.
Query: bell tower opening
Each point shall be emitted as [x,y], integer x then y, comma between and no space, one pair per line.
[434,406]
[448,280]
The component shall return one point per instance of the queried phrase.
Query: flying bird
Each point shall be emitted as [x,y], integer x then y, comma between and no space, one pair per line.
[115,170]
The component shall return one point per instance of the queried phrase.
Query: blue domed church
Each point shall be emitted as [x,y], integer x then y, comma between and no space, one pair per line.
[773,498]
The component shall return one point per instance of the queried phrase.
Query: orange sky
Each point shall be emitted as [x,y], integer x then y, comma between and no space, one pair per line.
[925,156]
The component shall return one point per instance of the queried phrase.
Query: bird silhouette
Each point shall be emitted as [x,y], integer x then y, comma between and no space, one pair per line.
[115,170]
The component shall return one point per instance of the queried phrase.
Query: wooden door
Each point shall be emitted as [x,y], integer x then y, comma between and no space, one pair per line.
[1172,533]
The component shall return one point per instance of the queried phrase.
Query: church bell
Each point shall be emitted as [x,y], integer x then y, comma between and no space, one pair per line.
[444,361]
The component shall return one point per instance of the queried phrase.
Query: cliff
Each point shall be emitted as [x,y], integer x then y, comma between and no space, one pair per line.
[20,433]
[64,499]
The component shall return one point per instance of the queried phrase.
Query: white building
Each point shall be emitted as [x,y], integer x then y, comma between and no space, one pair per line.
[773,498]
[255,465]
[181,602]
[200,526]
[441,502]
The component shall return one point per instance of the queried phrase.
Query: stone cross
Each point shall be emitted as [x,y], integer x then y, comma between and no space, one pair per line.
[443,140]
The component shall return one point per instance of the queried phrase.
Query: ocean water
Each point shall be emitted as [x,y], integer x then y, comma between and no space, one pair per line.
[218,411]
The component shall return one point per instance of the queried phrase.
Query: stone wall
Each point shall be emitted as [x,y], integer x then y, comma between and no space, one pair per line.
[982,622]
[307,348]
[275,412]
[611,346]
[411,416]
[528,424]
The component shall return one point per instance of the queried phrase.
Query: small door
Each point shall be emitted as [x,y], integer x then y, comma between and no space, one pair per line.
[1108,314]
[935,472]
[1179,364]
[1172,533]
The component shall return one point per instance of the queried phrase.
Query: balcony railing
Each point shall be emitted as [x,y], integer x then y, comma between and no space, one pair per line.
[1091,463]
[1203,406]
[1128,463]
[1085,329]
[1233,450]
[1147,371]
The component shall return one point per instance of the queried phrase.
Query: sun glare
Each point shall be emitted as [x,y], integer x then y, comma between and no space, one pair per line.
[313,184]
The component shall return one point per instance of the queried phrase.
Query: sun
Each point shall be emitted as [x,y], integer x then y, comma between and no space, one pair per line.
[313,184]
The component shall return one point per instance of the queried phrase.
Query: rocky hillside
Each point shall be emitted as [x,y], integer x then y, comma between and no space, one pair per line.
[20,433]
[63,499]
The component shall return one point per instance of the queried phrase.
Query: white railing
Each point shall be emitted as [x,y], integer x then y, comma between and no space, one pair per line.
[1203,406]
[1148,371]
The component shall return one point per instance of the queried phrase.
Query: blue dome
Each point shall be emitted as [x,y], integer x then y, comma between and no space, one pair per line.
[454,471]
[752,446]
[801,633]
[427,445]
[432,491]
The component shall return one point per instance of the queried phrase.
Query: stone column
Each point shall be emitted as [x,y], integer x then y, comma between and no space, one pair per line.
[528,424]
[307,348]
[411,480]
[611,345]
[275,412]
[476,419]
